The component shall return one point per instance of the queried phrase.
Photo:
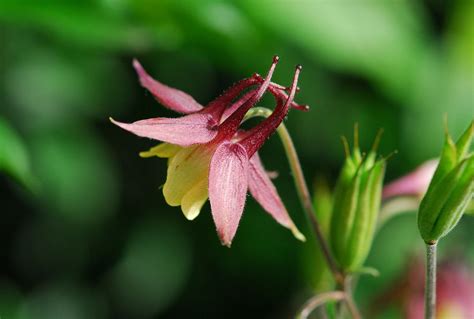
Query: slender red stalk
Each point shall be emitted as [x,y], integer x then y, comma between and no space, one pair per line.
[228,128]
[259,134]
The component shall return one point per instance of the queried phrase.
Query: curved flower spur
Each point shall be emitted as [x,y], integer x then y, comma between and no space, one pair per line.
[208,156]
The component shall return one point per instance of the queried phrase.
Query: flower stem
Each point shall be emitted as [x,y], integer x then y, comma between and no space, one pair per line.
[430,283]
[305,198]
[302,189]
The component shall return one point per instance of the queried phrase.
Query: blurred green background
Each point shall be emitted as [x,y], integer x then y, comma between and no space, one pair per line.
[84,229]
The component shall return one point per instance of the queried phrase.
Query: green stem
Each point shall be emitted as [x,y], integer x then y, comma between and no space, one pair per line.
[305,198]
[430,283]
[302,189]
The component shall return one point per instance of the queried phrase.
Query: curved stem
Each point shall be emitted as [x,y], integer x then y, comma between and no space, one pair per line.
[302,189]
[305,199]
[430,283]
[319,300]
[397,206]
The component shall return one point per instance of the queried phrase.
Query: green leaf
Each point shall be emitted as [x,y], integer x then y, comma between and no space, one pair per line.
[14,157]
[470,209]
[61,86]
[78,22]
[343,35]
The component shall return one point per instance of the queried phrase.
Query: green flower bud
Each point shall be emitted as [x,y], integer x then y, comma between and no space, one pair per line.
[451,189]
[357,201]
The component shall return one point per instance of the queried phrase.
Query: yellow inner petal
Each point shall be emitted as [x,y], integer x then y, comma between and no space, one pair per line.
[163,150]
[186,169]
[194,199]
[298,235]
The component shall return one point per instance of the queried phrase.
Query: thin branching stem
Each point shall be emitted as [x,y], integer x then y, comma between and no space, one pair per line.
[307,204]
[302,189]
[351,305]
[319,300]
[305,198]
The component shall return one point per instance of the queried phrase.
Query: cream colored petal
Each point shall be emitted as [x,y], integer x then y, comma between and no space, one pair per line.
[298,235]
[194,199]
[186,169]
[164,150]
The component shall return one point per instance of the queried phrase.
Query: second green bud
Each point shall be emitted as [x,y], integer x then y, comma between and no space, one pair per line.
[357,199]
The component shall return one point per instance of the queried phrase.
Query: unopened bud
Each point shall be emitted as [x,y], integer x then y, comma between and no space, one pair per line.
[451,189]
[357,201]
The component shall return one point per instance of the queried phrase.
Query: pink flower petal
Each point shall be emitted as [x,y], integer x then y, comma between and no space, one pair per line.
[415,183]
[228,178]
[265,193]
[171,98]
[187,130]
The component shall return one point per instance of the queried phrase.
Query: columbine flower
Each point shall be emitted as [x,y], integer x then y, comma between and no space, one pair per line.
[209,157]
[413,184]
